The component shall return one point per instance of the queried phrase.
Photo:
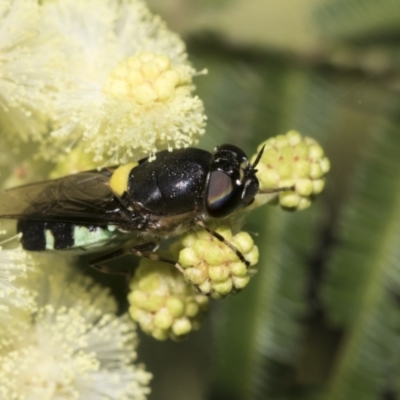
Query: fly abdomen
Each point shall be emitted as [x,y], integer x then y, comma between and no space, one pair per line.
[33,235]
[172,184]
[40,236]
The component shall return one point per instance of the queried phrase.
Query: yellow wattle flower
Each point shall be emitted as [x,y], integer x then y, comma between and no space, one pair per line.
[212,266]
[162,303]
[295,162]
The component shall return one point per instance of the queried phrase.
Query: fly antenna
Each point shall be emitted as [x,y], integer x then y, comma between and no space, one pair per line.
[258,158]
[276,190]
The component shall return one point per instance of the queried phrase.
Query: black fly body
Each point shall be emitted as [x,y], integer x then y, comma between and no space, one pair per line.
[146,202]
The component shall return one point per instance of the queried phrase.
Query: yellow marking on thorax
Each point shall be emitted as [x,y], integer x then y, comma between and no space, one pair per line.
[119,179]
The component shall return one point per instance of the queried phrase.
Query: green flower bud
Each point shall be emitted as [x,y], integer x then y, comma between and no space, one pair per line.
[291,161]
[163,319]
[214,267]
[192,309]
[163,303]
[205,287]
[241,281]
[218,273]
[175,306]
[181,327]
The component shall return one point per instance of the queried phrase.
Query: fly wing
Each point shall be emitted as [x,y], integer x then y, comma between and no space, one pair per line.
[80,198]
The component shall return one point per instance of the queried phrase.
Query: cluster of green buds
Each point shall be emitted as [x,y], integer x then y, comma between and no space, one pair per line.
[167,302]
[163,303]
[294,162]
[214,267]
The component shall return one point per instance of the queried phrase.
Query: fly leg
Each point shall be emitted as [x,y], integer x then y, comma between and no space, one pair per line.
[230,245]
[98,263]
[148,251]
[142,250]
[239,254]
[136,250]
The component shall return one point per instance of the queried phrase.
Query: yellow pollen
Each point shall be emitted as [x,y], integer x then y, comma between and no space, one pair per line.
[119,179]
[144,78]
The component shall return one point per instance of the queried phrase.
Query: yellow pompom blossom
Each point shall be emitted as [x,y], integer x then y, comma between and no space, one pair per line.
[129,82]
[73,347]
[14,265]
[212,266]
[291,161]
[29,64]
[163,303]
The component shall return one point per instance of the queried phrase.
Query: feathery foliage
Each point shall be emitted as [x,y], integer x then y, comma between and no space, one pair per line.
[363,278]
[321,319]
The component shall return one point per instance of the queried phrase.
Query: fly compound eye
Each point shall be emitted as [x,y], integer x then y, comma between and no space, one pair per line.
[223,195]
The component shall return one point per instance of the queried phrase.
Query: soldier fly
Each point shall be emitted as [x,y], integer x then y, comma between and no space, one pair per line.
[142,202]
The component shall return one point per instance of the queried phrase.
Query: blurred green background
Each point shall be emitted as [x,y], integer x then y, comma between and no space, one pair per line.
[321,320]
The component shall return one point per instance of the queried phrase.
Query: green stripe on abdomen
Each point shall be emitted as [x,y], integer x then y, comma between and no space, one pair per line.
[84,237]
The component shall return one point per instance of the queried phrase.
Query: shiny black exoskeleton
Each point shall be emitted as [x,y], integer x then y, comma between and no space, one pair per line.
[176,192]
[190,183]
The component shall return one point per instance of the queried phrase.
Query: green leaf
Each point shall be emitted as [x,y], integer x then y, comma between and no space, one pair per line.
[365,271]
[250,97]
[358,19]
[260,330]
